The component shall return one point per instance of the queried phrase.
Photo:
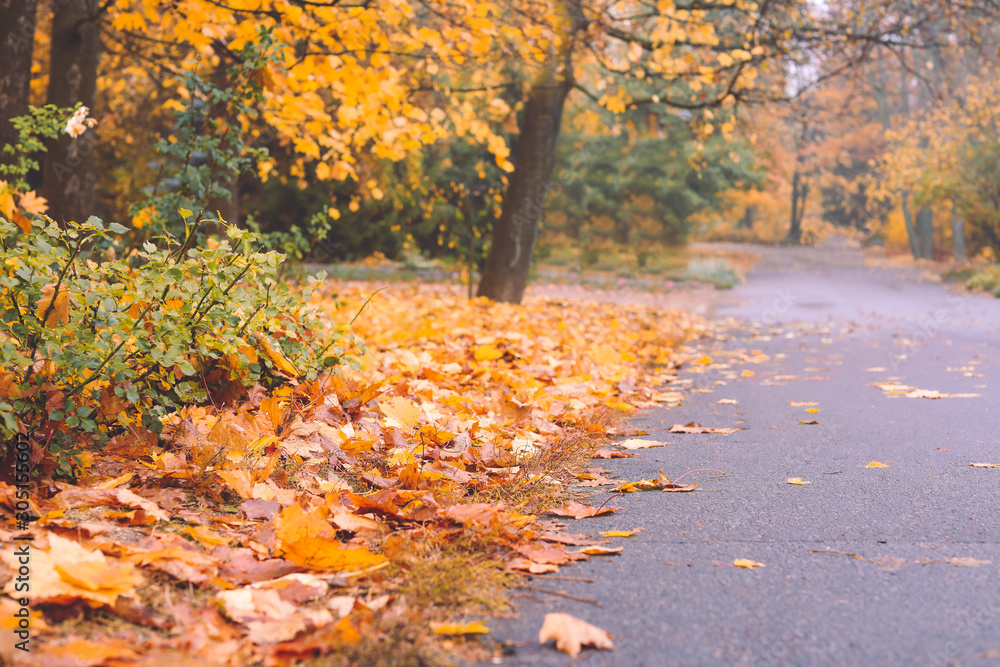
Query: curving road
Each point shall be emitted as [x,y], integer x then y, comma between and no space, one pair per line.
[831,327]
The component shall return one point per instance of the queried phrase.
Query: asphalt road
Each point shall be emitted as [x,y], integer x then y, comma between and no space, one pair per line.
[827,322]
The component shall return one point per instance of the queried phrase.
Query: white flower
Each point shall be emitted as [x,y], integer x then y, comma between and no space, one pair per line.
[79,122]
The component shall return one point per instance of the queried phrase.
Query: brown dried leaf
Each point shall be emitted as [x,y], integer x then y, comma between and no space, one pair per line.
[571,634]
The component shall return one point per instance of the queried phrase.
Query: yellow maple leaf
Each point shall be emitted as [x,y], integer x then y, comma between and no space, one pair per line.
[875,464]
[277,358]
[486,353]
[306,538]
[797,480]
[747,563]
[400,412]
[32,203]
[470,628]
[621,533]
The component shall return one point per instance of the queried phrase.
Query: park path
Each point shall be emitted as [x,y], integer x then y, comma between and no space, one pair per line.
[831,327]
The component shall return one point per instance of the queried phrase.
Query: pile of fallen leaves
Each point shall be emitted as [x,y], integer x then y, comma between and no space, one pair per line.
[355,517]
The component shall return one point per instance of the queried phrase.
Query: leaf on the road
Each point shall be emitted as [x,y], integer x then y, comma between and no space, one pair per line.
[747,374]
[967,562]
[897,389]
[525,565]
[600,551]
[875,464]
[611,454]
[580,511]
[889,563]
[639,443]
[747,563]
[808,422]
[470,628]
[571,634]
[693,427]
[621,533]
[876,369]
[726,401]
[985,465]
[797,481]
[679,488]
[801,404]
[812,410]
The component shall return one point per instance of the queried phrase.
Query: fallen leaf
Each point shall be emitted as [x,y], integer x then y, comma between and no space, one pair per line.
[581,511]
[797,480]
[400,412]
[68,572]
[875,464]
[638,443]
[726,401]
[679,488]
[985,465]
[611,454]
[600,551]
[812,410]
[308,539]
[470,628]
[571,634]
[747,374]
[967,562]
[808,421]
[525,565]
[747,563]
[797,404]
[621,533]
[692,427]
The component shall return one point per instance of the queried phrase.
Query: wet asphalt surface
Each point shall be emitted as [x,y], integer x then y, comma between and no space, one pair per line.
[831,328]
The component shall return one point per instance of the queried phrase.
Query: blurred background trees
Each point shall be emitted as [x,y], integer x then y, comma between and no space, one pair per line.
[395,128]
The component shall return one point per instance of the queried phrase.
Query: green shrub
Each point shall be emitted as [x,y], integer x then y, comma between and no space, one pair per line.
[91,347]
[715,271]
[987,279]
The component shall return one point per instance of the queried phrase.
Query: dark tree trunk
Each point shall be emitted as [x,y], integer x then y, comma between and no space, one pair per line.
[925,232]
[958,234]
[798,205]
[747,221]
[509,262]
[68,172]
[18,20]
[513,245]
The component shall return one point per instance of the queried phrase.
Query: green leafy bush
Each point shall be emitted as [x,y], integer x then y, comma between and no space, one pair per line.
[94,345]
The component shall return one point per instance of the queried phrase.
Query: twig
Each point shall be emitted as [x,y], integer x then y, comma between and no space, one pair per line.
[608,501]
[542,576]
[561,594]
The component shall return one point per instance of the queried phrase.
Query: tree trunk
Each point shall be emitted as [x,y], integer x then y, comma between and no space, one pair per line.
[795,226]
[505,275]
[911,230]
[16,48]
[68,172]
[925,232]
[509,262]
[958,234]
